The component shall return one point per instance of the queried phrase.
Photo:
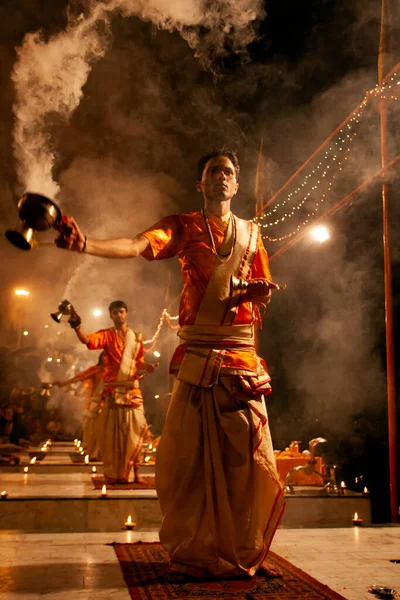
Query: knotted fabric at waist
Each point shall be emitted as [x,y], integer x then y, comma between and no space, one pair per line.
[123,384]
[218,336]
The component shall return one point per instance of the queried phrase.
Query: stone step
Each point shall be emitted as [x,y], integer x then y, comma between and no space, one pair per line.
[82,509]
[46,467]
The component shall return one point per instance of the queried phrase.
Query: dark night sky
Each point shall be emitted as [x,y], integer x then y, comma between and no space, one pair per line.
[127,156]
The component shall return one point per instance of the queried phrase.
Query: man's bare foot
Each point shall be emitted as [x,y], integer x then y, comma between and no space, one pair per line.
[268,570]
[175,577]
[137,479]
[109,481]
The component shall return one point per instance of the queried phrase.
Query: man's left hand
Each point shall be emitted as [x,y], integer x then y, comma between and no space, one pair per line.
[259,288]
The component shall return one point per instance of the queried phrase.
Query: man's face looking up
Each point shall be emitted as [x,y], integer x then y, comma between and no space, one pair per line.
[218,181]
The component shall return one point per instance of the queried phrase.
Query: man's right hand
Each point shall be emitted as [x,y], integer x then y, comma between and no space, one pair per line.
[59,383]
[70,237]
[74,320]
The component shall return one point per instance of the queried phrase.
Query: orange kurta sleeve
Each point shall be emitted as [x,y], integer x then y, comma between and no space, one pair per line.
[98,340]
[90,372]
[166,238]
[260,266]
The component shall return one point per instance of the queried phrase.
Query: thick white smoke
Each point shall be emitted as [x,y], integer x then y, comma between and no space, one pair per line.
[50,73]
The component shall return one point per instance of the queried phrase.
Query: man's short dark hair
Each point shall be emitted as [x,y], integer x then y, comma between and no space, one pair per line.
[117,304]
[203,160]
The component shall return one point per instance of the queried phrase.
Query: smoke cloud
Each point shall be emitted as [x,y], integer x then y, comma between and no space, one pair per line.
[50,74]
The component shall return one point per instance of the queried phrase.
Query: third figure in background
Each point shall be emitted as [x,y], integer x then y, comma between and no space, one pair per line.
[93,381]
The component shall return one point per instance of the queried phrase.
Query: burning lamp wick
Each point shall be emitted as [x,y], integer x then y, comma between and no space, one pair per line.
[366,491]
[87,459]
[129,525]
[357,521]
[104,491]
[33,460]
[3,495]
[26,469]
[342,487]
[94,469]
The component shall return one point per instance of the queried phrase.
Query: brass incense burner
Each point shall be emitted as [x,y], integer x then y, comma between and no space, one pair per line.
[65,308]
[36,213]
[239,286]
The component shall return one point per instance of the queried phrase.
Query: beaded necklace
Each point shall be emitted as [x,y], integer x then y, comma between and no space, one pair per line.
[219,255]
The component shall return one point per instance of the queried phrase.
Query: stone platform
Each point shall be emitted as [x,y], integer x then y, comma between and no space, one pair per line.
[58,496]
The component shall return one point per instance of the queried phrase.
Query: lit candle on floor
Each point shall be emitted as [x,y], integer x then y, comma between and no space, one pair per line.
[342,487]
[366,491]
[104,491]
[94,469]
[3,495]
[87,459]
[26,469]
[357,521]
[129,524]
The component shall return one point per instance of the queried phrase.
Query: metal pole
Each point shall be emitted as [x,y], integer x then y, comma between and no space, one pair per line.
[387,269]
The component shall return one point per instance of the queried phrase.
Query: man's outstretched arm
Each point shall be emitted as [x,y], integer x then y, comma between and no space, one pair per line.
[72,238]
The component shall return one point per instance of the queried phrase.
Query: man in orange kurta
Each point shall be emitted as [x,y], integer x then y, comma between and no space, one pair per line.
[216,477]
[122,423]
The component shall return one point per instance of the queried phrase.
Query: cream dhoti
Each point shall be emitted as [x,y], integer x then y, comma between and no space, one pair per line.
[216,478]
[91,429]
[124,429]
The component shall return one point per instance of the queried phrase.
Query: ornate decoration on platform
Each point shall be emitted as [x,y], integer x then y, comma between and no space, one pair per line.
[308,469]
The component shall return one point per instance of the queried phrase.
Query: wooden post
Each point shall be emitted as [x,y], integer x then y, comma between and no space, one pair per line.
[387,268]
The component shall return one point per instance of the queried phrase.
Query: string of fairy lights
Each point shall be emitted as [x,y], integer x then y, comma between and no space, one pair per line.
[319,181]
[164,317]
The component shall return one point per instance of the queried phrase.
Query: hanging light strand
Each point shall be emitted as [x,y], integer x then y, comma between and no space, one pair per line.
[343,143]
[321,171]
[165,316]
[322,198]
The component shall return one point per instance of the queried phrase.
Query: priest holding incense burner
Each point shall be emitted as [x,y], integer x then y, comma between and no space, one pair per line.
[122,423]
[216,478]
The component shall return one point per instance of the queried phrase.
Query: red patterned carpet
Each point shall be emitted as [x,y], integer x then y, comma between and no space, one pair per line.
[149,483]
[143,566]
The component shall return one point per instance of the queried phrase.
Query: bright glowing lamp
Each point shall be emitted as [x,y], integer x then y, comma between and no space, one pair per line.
[320,234]
[97,312]
[21,293]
